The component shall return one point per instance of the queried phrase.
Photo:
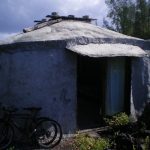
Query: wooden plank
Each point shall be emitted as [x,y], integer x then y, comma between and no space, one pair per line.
[95,130]
[41,25]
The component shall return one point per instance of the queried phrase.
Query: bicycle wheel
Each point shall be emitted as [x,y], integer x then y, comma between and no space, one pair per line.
[6,135]
[58,137]
[46,132]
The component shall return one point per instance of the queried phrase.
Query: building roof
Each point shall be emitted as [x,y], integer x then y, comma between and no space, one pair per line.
[65,30]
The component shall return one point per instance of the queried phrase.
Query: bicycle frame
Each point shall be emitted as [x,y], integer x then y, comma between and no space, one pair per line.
[28,124]
[43,131]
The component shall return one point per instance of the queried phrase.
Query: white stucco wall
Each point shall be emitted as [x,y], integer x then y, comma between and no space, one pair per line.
[140,80]
[44,78]
[45,75]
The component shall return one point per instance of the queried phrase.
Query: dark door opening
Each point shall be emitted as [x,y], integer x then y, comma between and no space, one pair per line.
[101,85]
[90,91]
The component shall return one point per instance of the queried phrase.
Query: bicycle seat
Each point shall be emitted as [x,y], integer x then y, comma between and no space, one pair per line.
[32,108]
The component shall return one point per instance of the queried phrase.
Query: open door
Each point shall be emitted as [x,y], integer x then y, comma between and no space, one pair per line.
[115,86]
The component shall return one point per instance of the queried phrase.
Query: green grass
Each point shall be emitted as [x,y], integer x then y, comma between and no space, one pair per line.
[84,142]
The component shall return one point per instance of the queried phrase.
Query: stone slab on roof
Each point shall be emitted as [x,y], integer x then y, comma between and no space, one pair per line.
[108,50]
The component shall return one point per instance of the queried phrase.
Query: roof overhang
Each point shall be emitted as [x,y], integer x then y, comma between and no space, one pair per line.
[108,50]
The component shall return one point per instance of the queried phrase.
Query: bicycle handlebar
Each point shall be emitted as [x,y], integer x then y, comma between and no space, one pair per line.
[9,109]
[32,108]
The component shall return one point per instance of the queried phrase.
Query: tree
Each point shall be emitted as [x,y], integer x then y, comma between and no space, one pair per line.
[141,19]
[130,17]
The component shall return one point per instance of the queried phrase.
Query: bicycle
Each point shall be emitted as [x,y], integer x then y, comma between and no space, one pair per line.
[43,131]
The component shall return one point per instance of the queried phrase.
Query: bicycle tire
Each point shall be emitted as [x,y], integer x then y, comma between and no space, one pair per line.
[58,138]
[59,135]
[6,135]
[46,132]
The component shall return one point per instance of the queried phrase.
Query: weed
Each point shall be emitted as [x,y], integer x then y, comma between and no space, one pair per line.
[118,120]
[147,143]
[11,148]
[84,142]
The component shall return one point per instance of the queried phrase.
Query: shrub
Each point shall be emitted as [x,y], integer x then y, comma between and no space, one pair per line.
[118,120]
[147,143]
[84,142]
[145,116]
[100,144]
[11,148]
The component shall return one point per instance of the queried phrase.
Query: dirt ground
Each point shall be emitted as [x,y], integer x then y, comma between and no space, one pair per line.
[65,144]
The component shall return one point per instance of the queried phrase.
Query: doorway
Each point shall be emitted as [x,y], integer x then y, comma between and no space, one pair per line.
[90,91]
[103,88]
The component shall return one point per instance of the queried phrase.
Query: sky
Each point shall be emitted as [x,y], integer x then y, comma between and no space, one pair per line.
[19,14]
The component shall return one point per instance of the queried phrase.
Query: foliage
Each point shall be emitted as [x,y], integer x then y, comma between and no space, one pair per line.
[145,116]
[147,143]
[84,142]
[11,148]
[118,120]
[131,17]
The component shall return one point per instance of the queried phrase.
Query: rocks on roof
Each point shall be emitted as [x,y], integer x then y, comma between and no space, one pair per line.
[56,28]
